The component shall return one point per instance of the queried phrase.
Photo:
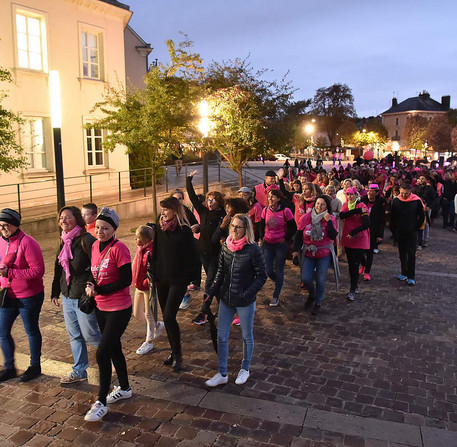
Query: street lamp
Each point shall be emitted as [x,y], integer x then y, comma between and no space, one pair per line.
[204,126]
[309,129]
[56,122]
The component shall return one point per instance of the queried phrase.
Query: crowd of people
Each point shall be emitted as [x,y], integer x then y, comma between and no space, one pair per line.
[305,214]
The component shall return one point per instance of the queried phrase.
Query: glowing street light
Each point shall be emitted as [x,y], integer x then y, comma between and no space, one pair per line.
[309,129]
[204,126]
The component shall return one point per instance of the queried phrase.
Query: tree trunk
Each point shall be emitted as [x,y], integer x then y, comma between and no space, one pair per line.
[240,177]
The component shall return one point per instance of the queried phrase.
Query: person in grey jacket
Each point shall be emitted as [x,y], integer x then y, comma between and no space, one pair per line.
[240,276]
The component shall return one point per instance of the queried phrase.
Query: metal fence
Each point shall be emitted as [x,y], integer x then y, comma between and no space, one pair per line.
[38,197]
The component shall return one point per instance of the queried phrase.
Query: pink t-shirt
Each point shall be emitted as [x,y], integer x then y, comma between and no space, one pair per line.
[276,224]
[255,213]
[306,226]
[109,272]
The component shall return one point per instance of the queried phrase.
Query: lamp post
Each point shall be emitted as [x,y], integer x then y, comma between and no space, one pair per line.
[56,122]
[309,129]
[204,126]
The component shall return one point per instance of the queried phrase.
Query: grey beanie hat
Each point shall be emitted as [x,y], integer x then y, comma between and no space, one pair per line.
[10,216]
[244,189]
[110,216]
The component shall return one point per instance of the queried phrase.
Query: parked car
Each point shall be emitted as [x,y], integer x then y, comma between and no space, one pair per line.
[281,157]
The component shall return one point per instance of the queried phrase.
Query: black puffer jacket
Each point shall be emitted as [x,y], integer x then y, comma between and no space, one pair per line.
[240,275]
[81,248]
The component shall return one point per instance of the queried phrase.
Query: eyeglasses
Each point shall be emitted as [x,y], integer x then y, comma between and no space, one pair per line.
[211,200]
[236,227]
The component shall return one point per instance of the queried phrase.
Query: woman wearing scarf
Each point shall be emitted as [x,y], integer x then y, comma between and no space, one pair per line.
[175,264]
[110,286]
[315,236]
[240,276]
[356,235]
[21,270]
[277,228]
[71,272]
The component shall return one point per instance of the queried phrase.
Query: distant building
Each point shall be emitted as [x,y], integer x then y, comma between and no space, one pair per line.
[394,119]
[89,44]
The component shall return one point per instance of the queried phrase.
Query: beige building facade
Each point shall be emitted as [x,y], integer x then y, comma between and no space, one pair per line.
[84,42]
[394,119]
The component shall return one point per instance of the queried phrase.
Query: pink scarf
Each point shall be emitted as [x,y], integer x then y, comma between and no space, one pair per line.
[65,254]
[234,245]
[168,225]
[410,198]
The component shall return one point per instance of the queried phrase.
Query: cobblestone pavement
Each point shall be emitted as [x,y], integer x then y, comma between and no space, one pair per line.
[377,372]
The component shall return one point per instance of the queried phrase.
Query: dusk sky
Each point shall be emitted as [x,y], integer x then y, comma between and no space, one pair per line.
[378,48]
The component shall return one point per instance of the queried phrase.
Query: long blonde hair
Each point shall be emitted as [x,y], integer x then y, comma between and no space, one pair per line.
[172,203]
[249,230]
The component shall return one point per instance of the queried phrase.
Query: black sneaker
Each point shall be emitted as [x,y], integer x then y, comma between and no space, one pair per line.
[309,301]
[199,319]
[316,309]
[7,374]
[32,373]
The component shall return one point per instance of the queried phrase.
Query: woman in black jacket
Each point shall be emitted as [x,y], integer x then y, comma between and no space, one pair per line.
[71,272]
[174,262]
[210,216]
[240,275]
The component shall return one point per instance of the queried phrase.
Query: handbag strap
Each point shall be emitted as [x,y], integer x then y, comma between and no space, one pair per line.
[104,257]
[14,258]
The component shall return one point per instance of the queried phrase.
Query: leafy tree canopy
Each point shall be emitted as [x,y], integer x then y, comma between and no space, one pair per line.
[11,153]
[438,133]
[415,128]
[334,105]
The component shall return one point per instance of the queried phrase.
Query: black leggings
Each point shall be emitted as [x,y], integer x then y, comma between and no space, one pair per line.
[112,325]
[354,256]
[170,297]
[407,250]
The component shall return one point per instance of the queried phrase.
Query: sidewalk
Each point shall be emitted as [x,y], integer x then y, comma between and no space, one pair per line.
[377,372]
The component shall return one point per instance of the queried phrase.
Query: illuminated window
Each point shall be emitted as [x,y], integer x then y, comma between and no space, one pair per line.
[94,141]
[31,38]
[33,142]
[91,53]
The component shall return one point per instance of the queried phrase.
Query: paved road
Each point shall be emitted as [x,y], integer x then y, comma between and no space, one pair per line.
[380,371]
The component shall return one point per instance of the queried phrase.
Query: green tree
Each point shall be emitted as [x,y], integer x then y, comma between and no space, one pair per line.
[334,105]
[151,122]
[346,132]
[273,98]
[438,133]
[11,153]
[415,129]
[236,126]
[375,125]
[454,139]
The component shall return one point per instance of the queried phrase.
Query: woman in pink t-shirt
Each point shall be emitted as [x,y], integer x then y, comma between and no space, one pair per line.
[276,229]
[112,275]
[356,235]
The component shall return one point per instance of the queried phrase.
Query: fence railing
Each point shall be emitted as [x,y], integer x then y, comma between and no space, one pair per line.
[37,197]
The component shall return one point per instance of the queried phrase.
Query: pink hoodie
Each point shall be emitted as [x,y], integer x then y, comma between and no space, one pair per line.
[27,270]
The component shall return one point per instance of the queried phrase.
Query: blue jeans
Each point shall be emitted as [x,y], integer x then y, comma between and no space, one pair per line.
[82,328]
[275,258]
[307,271]
[226,314]
[29,310]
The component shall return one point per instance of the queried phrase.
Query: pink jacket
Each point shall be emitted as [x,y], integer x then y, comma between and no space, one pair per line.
[26,270]
[261,193]
[362,239]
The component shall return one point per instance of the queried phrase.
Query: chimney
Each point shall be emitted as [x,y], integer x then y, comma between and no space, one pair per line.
[394,102]
[446,102]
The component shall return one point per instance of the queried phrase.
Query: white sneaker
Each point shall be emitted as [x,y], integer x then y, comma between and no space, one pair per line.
[217,379]
[96,412]
[118,394]
[145,348]
[159,329]
[243,375]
